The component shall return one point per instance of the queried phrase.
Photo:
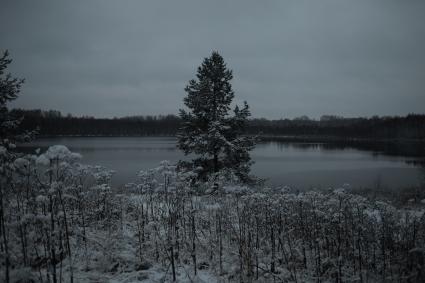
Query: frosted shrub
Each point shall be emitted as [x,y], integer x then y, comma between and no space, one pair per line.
[62,218]
[48,197]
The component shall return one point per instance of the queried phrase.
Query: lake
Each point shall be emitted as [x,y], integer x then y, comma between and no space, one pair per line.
[300,165]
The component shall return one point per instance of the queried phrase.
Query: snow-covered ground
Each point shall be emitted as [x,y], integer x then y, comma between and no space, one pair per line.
[62,222]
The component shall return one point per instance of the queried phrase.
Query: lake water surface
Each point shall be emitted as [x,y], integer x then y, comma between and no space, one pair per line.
[299,165]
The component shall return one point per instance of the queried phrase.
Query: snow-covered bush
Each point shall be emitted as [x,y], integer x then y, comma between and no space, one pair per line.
[63,220]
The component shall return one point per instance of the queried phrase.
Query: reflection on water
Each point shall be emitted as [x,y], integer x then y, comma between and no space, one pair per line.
[301,165]
[406,149]
[306,165]
[422,171]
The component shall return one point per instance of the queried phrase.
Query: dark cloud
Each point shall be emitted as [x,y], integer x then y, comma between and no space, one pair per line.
[116,58]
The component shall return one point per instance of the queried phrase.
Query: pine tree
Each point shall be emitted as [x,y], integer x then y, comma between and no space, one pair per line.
[9,90]
[208,129]
[9,134]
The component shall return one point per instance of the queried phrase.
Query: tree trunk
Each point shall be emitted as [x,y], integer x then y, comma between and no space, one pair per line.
[3,230]
[193,243]
[215,162]
[173,267]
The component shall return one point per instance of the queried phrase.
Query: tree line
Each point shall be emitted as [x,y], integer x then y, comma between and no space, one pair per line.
[411,126]
[54,123]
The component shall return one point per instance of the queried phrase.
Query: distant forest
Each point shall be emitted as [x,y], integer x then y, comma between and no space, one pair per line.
[53,123]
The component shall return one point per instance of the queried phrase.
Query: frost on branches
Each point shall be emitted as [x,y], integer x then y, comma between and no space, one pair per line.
[208,130]
[63,222]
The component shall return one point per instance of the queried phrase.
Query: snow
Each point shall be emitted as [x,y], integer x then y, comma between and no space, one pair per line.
[128,233]
[61,152]
[41,199]
[43,160]
[21,163]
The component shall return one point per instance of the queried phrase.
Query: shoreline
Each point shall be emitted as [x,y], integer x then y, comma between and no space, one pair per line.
[288,138]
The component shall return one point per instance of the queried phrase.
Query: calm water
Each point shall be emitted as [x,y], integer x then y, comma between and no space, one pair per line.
[298,165]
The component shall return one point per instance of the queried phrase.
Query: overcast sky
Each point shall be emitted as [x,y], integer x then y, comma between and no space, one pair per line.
[289,58]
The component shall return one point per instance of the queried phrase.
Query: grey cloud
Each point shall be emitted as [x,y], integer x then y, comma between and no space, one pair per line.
[115,58]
